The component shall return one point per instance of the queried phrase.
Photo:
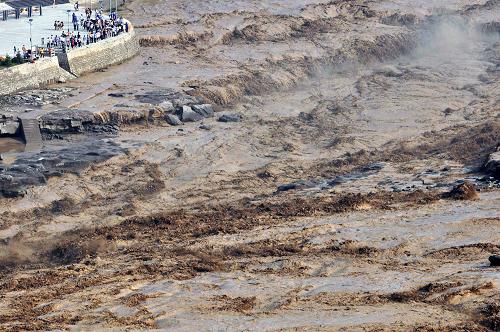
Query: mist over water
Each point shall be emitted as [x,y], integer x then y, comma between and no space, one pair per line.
[452,38]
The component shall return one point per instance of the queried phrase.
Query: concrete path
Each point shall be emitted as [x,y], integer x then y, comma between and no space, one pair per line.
[17,32]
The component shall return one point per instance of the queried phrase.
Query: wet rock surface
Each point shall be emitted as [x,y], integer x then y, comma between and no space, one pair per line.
[492,165]
[9,125]
[157,97]
[205,127]
[301,184]
[229,118]
[33,98]
[167,106]
[173,120]
[57,123]
[66,121]
[188,115]
[494,260]
[177,98]
[33,169]
[321,184]
[205,110]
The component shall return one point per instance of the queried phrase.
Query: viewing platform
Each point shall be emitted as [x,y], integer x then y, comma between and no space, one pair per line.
[16,32]
[86,43]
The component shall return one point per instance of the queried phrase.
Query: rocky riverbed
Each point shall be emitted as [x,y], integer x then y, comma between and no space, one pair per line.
[264,165]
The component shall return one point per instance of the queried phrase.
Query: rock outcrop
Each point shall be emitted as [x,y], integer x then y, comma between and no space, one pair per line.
[492,165]
[33,169]
[173,120]
[9,125]
[188,115]
[229,118]
[205,110]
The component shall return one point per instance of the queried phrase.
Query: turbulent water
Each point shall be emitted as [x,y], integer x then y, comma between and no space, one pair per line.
[329,206]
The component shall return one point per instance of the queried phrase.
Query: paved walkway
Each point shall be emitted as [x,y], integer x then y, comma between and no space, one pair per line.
[17,32]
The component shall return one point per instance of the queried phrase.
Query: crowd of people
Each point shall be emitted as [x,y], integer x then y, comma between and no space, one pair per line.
[88,28]
[58,25]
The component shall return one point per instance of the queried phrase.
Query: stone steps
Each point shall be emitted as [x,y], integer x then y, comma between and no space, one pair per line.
[31,134]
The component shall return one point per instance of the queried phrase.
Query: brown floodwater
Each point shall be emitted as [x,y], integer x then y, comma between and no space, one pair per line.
[187,230]
[11,144]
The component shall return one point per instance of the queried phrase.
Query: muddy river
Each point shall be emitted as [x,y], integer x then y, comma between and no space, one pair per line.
[346,192]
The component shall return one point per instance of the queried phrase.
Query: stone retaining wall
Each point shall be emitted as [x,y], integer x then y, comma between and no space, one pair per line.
[30,75]
[76,62]
[103,54]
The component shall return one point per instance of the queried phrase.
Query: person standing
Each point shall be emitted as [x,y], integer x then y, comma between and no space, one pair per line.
[75,21]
